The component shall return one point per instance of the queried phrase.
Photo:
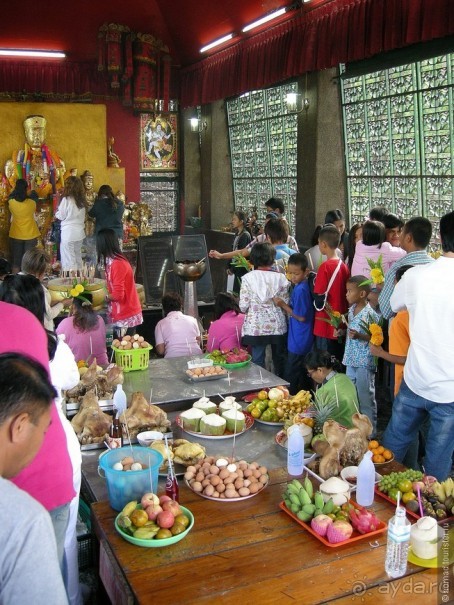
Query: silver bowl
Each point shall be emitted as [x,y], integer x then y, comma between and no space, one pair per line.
[190,270]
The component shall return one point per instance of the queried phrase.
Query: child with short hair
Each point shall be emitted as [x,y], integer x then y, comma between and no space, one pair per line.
[300,311]
[265,323]
[358,358]
[329,287]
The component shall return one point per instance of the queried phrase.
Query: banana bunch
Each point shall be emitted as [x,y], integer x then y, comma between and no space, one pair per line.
[302,398]
[444,492]
[301,499]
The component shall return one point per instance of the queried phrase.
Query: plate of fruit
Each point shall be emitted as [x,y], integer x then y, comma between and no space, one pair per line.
[275,406]
[230,359]
[437,498]
[155,522]
[380,455]
[226,480]
[333,525]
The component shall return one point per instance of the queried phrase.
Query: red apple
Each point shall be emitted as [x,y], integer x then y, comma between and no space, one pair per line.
[149,498]
[165,519]
[173,507]
[163,499]
[153,511]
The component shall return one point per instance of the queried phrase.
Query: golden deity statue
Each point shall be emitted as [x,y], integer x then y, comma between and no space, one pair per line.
[41,167]
[90,194]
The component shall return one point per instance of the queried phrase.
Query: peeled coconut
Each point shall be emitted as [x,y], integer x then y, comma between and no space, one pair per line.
[337,489]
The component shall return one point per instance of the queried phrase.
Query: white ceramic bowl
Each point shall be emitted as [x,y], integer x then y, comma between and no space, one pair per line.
[351,472]
[147,437]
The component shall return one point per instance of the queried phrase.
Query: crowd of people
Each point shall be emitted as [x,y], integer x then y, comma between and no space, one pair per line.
[318,312]
[314,310]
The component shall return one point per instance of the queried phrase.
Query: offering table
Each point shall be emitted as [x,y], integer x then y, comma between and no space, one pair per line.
[170,386]
[250,551]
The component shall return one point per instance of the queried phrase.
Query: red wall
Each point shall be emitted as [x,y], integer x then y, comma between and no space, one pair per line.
[124,126]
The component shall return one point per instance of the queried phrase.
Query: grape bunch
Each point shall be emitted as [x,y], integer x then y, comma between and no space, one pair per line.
[388,482]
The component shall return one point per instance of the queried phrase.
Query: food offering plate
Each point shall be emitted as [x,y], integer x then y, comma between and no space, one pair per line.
[209,377]
[239,499]
[409,512]
[249,422]
[278,423]
[355,537]
[385,462]
[157,543]
[232,366]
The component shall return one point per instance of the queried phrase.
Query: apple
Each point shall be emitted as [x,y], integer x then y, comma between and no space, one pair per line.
[173,507]
[164,498]
[153,511]
[165,519]
[149,498]
[415,485]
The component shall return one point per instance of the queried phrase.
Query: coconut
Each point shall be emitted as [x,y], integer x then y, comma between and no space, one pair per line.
[426,537]
[206,405]
[337,489]
[235,420]
[212,424]
[229,404]
[191,419]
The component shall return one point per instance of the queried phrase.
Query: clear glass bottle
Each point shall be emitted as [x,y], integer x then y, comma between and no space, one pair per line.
[397,546]
[295,451]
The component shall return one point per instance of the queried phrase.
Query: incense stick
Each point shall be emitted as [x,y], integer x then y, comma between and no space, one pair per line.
[149,470]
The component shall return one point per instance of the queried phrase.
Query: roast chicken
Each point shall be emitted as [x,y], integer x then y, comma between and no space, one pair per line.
[90,423]
[143,416]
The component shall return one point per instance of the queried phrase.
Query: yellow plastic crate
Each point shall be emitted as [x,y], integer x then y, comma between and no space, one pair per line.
[132,359]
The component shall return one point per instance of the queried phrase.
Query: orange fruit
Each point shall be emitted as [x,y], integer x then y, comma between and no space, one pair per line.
[380,449]
[375,451]
[387,454]
[378,458]
[373,444]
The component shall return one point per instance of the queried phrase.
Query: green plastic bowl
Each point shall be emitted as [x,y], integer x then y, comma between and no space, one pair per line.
[231,366]
[157,543]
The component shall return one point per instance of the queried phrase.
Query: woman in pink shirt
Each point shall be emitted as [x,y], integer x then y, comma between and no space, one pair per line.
[85,331]
[373,245]
[225,332]
[177,334]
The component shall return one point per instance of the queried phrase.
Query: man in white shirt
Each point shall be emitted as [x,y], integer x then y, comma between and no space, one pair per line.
[427,292]
[29,567]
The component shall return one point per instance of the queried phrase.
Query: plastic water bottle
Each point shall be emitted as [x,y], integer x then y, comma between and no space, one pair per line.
[119,400]
[295,451]
[365,481]
[398,542]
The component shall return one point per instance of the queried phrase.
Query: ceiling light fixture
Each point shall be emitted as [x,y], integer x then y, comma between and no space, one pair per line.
[49,54]
[265,19]
[216,43]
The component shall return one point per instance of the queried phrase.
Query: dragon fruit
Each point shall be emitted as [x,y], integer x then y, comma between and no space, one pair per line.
[320,524]
[363,520]
[339,531]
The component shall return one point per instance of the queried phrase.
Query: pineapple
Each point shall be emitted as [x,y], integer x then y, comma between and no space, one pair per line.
[322,408]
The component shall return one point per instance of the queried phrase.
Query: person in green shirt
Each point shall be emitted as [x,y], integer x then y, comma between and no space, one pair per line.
[333,387]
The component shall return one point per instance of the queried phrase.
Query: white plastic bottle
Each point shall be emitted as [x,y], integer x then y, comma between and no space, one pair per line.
[295,451]
[119,400]
[365,481]
[398,541]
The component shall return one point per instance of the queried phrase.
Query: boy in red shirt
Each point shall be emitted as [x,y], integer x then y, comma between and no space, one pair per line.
[331,280]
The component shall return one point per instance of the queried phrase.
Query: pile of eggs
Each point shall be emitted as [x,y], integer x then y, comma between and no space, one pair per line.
[130,342]
[206,371]
[220,478]
[129,464]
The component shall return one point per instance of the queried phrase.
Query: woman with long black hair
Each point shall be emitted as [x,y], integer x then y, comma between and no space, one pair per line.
[125,309]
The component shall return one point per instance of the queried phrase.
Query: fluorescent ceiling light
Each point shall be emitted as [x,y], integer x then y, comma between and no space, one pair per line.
[216,43]
[264,19]
[50,54]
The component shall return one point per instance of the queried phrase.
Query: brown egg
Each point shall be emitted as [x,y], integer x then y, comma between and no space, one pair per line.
[200,476]
[220,487]
[263,479]
[253,465]
[240,473]
[209,490]
[206,482]
[197,486]
[127,460]
[257,474]
[209,459]
[263,470]
[215,480]
[188,475]
[247,473]
[214,470]
[191,469]
[246,483]
[127,467]
[216,494]
[238,483]
[255,487]
[243,491]
[231,493]
[224,473]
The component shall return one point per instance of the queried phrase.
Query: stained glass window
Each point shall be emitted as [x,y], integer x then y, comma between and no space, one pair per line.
[263,137]
[399,137]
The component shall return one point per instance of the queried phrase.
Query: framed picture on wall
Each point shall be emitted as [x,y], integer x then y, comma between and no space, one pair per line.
[158,142]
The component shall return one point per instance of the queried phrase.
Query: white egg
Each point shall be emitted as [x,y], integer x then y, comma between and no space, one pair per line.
[118,466]
[136,466]
[231,468]
[221,462]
